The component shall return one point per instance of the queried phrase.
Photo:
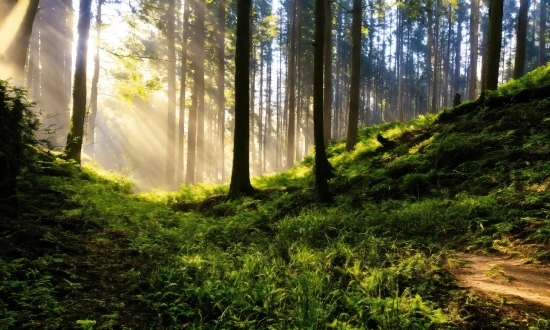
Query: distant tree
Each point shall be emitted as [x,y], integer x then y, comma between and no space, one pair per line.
[171,77]
[183,76]
[290,148]
[474,32]
[492,58]
[327,102]
[220,99]
[323,169]
[240,173]
[90,136]
[355,75]
[519,63]
[542,33]
[73,149]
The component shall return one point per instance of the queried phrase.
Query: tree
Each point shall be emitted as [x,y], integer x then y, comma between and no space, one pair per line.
[492,58]
[291,88]
[474,32]
[73,149]
[240,173]
[323,169]
[355,72]
[519,63]
[90,139]
[183,76]
[542,33]
[327,102]
[171,77]
[221,87]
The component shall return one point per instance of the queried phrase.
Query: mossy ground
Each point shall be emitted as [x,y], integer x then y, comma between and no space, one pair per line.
[87,253]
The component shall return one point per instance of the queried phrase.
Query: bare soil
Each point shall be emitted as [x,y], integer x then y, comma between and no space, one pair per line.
[517,285]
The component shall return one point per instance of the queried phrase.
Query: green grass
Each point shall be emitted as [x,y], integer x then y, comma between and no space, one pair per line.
[87,253]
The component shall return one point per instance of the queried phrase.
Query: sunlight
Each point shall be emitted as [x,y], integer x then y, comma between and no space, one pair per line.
[8,31]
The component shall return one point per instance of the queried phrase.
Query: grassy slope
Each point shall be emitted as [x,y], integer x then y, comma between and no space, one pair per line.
[86,253]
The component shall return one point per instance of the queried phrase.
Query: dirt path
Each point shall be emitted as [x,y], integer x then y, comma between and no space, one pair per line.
[519,285]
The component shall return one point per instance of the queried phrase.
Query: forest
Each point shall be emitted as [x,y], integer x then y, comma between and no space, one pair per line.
[295,164]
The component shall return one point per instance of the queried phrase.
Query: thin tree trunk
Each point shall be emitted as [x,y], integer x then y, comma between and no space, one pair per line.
[542,33]
[90,138]
[355,75]
[436,60]
[183,76]
[458,43]
[199,84]
[171,78]
[519,63]
[291,90]
[240,174]
[474,33]
[328,74]
[73,149]
[429,56]
[221,88]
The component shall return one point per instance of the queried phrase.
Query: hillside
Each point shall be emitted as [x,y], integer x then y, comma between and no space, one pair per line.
[85,252]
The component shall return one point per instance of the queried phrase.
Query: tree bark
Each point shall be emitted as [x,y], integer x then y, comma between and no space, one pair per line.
[90,138]
[183,76]
[199,84]
[73,149]
[519,63]
[474,33]
[323,169]
[240,173]
[542,34]
[171,79]
[327,105]
[355,74]
[290,149]
[492,58]
[221,88]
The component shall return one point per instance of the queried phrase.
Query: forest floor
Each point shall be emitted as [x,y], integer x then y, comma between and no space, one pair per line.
[520,289]
[86,252]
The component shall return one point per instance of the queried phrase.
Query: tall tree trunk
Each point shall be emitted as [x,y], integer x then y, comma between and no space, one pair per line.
[260,111]
[492,58]
[429,56]
[456,87]
[474,33]
[90,138]
[328,73]
[240,173]
[299,85]
[73,149]
[171,78]
[199,84]
[221,88]
[542,34]
[436,60]
[519,63]
[323,169]
[355,74]
[399,68]
[290,149]
[183,76]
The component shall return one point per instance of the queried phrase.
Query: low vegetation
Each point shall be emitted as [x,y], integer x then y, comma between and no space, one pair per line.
[85,252]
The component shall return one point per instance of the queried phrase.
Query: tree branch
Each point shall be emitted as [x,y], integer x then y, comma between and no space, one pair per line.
[133,55]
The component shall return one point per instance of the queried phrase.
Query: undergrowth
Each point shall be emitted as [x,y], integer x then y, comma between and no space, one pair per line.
[85,252]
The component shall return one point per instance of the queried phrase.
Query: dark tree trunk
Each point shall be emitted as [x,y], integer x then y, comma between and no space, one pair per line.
[328,73]
[519,63]
[183,75]
[240,173]
[474,33]
[492,58]
[542,34]
[90,136]
[355,75]
[73,149]
[323,169]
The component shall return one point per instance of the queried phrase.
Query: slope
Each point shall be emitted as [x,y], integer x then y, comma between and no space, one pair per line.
[87,253]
